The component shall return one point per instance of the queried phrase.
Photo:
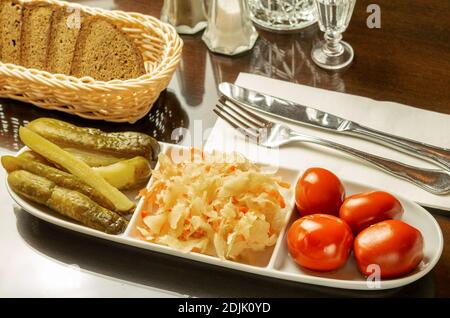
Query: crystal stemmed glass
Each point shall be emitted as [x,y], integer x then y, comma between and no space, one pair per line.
[334,17]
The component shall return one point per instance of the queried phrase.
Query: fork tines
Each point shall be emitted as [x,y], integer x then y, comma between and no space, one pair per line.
[241,118]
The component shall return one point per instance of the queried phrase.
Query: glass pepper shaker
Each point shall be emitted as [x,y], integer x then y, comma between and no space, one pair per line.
[187,16]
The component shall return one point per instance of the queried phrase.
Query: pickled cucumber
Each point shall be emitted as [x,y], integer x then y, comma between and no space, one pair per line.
[60,178]
[94,159]
[120,144]
[69,203]
[76,167]
[126,174]
[31,155]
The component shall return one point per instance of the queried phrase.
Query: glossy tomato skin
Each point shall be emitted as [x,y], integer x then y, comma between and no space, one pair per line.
[320,242]
[364,209]
[393,245]
[319,191]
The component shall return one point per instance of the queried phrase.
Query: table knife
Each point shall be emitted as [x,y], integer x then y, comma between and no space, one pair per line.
[301,114]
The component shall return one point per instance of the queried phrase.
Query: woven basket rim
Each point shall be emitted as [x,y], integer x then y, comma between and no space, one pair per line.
[88,82]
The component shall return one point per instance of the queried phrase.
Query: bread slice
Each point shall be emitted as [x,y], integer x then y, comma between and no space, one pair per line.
[10,30]
[105,53]
[63,38]
[37,20]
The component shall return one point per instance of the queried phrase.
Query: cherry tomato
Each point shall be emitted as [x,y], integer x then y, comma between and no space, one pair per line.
[320,242]
[319,191]
[364,209]
[396,247]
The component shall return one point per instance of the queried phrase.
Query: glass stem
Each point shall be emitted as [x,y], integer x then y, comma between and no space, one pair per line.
[333,46]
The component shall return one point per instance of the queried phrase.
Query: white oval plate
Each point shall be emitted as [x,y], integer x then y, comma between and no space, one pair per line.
[279,264]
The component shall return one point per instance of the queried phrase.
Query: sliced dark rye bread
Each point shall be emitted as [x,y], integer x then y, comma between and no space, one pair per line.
[105,53]
[10,31]
[36,25]
[63,38]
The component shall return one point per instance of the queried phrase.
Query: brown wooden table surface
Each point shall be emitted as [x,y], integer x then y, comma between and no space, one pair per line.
[406,61]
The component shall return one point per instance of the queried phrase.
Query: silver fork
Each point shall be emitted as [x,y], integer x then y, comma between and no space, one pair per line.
[273,135]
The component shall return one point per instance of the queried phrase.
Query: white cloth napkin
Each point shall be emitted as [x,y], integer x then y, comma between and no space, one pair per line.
[421,125]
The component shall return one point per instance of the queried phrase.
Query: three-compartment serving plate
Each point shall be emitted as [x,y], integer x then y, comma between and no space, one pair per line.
[275,262]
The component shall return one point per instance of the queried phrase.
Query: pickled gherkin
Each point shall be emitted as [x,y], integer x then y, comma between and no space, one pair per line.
[127,174]
[31,155]
[76,167]
[60,178]
[94,158]
[119,144]
[69,203]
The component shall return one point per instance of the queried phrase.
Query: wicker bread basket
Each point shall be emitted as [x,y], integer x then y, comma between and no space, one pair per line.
[115,101]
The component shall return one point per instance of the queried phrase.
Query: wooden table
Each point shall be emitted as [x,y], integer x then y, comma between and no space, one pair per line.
[406,61]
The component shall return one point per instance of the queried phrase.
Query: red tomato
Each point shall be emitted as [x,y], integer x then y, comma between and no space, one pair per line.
[320,242]
[319,191]
[364,209]
[396,247]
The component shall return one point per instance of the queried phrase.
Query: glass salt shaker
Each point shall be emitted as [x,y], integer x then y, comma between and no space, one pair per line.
[230,30]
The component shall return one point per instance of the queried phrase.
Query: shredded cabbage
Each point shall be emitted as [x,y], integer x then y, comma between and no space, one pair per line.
[213,207]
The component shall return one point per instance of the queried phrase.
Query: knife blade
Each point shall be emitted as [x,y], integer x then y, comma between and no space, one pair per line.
[301,114]
[282,108]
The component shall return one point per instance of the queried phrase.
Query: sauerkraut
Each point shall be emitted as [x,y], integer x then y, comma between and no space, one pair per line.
[224,208]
